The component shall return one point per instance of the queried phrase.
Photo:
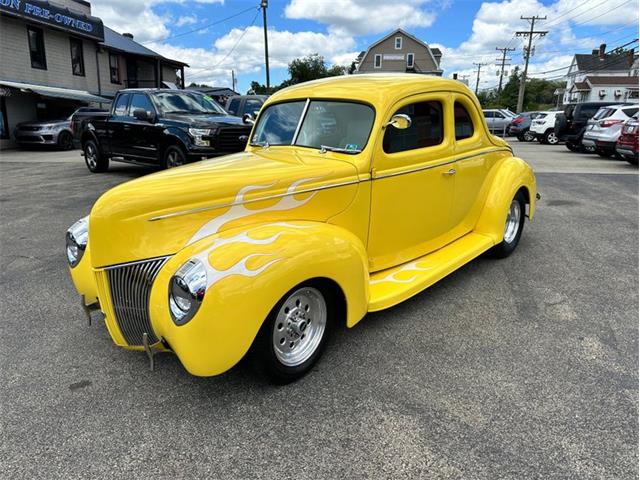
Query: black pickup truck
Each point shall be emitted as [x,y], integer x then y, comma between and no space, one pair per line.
[162,127]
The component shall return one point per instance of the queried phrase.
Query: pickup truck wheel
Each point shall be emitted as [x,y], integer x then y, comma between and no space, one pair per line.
[174,157]
[294,334]
[550,138]
[96,163]
[65,140]
[513,227]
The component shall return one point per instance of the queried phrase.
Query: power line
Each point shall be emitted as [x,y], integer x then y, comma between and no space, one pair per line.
[204,27]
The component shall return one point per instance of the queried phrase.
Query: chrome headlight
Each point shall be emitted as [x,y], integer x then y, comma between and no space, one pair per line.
[197,134]
[186,291]
[77,237]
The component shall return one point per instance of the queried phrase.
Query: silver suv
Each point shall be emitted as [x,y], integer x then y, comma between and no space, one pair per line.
[605,127]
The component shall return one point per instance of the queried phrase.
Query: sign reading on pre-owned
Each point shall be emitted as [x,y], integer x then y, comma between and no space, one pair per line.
[44,12]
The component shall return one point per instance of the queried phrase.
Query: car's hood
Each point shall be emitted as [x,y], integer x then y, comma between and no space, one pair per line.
[204,121]
[159,214]
[42,123]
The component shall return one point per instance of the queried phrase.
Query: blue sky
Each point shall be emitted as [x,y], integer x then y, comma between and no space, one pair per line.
[467,31]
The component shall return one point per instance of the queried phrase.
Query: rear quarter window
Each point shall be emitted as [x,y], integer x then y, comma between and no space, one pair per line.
[630,112]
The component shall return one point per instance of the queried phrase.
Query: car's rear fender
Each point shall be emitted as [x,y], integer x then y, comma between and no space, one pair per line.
[248,272]
[511,174]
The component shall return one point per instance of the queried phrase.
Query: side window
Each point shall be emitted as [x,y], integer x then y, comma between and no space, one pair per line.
[252,105]
[234,104]
[140,100]
[426,128]
[498,115]
[463,122]
[489,114]
[630,112]
[121,104]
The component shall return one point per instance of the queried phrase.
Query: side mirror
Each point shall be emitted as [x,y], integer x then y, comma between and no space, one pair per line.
[142,114]
[400,121]
[248,119]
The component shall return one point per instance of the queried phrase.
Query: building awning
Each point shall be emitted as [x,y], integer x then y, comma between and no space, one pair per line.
[56,92]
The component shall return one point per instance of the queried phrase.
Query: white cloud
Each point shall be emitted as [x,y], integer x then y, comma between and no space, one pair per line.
[214,66]
[186,20]
[133,16]
[360,17]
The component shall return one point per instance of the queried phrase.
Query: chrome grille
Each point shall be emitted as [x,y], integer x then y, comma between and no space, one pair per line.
[130,288]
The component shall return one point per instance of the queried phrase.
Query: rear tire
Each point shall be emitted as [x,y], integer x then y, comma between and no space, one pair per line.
[513,227]
[603,153]
[632,160]
[294,335]
[573,147]
[520,138]
[550,138]
[528,136]
[95,162]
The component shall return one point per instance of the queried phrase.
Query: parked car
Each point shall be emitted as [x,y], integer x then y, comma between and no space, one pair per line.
[242,104]
[627,144]
[571,126]
[519,126]
[54,133]
[543,127]
[346,201]
[604,128]
[164,127]
[497,120]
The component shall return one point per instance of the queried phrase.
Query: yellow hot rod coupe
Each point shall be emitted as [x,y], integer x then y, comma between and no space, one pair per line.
[353,194]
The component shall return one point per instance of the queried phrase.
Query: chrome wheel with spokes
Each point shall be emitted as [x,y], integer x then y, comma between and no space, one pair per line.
[174,157]
[299,326]
[513,221]
[91,156]
[95,161]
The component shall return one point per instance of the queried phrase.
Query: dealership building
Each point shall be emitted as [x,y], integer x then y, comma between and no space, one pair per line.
[56,57]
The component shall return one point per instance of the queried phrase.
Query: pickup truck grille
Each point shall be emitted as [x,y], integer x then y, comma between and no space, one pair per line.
[130,287]
[229,141]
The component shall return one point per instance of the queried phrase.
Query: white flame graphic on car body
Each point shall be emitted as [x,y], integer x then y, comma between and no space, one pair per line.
[238,210]
[240,267]
[391,277]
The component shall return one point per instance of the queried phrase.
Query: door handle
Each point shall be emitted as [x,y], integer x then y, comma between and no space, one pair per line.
[127,127]
[451,171]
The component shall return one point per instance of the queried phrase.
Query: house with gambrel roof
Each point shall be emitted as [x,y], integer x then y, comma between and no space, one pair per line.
[400,52]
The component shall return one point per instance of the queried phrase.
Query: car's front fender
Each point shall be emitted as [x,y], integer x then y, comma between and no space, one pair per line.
[248,272]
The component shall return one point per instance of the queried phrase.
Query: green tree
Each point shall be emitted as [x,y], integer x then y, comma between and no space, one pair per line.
[301,70]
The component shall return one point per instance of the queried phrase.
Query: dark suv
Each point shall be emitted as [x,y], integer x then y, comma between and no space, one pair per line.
[571,124]
[164,127]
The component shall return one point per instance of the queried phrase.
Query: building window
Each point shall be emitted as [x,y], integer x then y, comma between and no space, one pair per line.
[377,61]
[114,68]
[77,57]
[426,128]
[409,60]
[36,48]
[398,43]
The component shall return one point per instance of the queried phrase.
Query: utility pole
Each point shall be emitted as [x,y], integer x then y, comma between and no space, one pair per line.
[479,65]
[264,4]
[503,63]
[233,80]
[527,54]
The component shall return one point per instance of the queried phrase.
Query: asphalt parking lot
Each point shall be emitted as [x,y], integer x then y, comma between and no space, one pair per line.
[519,368]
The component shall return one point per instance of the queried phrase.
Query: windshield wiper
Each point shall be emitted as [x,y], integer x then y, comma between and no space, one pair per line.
[326,148]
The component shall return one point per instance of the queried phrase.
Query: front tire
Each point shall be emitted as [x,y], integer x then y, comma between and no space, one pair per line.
[96,163]
[294,335]
[65,140]
[174,157]
[513,227]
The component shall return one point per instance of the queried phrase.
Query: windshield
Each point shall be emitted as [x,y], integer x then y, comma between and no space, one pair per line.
[187,102]
[332,125]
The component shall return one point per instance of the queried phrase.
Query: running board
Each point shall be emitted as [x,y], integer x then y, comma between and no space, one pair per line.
[394,285]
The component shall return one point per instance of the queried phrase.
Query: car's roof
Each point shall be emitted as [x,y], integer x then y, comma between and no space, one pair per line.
[378,89]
